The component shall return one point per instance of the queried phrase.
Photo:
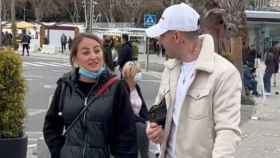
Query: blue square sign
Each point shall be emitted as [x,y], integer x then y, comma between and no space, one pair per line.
[149,20]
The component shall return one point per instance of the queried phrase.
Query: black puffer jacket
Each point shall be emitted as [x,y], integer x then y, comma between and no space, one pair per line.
[107,127]
[125,54]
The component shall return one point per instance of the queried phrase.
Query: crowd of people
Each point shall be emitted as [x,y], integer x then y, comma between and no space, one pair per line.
[95,114]
[271,60]
[65,41]
[6,38]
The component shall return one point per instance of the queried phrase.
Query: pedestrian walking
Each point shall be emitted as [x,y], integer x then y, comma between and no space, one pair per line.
[63,41]
[90,114]
[25,41]
[131,73]
[201,89]
[69,43]
[125,53]
[276,61]
[108,46]
[269,70]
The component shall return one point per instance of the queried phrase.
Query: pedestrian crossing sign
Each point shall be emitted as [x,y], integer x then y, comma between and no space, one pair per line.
[149,20]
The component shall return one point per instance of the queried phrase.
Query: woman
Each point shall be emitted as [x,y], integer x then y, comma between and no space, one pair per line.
[80,123]
[131,74]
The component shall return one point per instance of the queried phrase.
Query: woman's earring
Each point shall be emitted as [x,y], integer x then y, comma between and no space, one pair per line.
[76,65]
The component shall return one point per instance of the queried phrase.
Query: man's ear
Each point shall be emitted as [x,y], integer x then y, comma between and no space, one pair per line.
[178,37]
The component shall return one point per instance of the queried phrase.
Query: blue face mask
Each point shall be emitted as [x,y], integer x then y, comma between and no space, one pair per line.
[91,75]
[139,77]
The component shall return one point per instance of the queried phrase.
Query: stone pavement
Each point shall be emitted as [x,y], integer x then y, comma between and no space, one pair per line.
[261,138]
[261,134]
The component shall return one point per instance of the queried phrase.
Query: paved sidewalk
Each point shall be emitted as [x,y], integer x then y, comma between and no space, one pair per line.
[261,136]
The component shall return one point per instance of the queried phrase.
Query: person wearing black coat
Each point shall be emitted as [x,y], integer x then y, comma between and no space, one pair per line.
[269,70]
[108,46]
[131,74]
[81,124]
[125,53]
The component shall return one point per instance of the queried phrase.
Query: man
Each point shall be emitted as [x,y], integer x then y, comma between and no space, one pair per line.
[108,46]
[202,91]
[249,80]
[269,70]
[25,41]
[125,53]
[63,40]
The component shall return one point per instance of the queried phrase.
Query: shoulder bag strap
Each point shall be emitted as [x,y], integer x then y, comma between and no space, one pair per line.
[101,91]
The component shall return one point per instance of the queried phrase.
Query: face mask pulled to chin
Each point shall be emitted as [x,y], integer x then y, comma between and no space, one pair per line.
[139,77]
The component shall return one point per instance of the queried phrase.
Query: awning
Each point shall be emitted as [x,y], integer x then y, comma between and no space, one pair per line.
[24,25]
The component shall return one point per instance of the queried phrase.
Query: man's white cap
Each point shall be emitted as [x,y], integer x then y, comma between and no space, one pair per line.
[179,17]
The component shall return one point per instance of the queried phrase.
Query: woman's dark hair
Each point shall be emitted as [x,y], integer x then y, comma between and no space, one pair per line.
[125,37]
[76,42]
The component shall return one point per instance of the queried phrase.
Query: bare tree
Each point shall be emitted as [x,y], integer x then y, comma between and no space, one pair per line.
[128,10]
[106,9]
[71,7]
[44,8]
[6,9]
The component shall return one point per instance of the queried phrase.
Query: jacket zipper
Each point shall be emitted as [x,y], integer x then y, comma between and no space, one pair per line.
[84,121]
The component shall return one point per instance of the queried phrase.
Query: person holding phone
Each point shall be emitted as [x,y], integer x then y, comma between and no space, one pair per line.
[202,91]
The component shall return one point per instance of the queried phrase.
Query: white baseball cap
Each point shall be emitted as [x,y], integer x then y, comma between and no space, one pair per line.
[179,17]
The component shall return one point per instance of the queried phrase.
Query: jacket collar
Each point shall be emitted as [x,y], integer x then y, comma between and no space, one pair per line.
[205,60]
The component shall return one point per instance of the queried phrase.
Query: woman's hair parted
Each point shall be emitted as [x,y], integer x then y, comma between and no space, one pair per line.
[76,42]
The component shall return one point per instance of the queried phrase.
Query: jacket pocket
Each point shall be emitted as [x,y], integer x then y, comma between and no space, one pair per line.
[198,103]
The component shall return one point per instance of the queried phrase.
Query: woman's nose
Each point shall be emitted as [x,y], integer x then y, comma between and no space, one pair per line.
[92,54]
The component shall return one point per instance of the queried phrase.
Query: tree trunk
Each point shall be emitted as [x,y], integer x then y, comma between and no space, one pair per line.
[76,14]
[14,27]
[38,14]
[0,23]
[236,51]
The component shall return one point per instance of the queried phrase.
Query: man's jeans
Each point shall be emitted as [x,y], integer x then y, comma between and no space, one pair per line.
[267,81]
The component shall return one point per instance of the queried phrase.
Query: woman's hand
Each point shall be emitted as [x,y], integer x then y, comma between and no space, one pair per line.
[155,133]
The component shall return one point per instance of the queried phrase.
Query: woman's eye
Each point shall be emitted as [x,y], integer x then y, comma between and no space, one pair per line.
[85,52]
[97,51]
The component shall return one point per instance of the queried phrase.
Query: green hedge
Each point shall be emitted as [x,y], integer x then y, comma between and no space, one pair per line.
[135,50]
[12,94]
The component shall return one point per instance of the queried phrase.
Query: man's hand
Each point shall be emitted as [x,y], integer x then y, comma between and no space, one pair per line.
[155,133]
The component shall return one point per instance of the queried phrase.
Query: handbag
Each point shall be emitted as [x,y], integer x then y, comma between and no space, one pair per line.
[158,112]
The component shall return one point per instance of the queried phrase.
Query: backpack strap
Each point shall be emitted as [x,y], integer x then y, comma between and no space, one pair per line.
[61,96]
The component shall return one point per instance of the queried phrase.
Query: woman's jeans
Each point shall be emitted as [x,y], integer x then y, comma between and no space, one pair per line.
[142,140]
[267,81]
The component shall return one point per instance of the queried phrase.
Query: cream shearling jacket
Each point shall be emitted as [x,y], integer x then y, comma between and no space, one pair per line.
[210,115]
